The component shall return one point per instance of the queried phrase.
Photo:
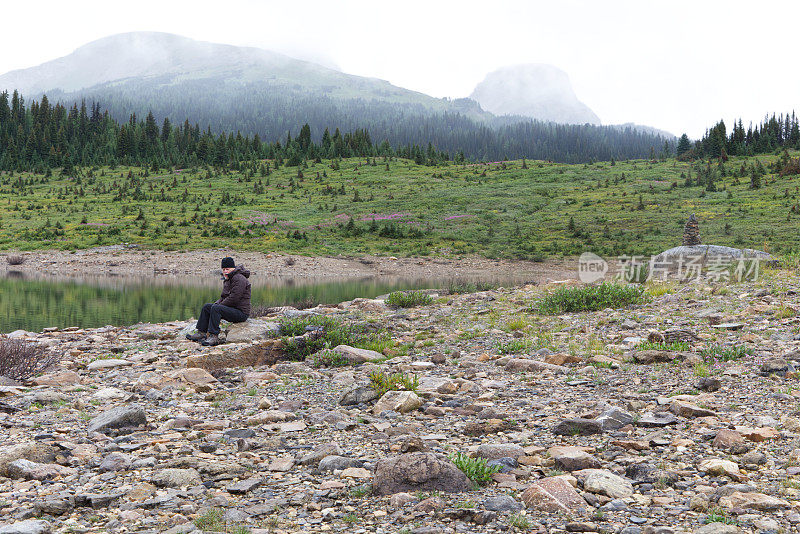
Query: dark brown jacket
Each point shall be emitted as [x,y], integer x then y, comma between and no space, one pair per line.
[236,290]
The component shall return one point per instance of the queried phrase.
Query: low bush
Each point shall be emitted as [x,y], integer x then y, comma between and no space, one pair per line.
[334,332]
[589,298]
[15,260]
[455,288]
[476,469]
[516,346]
[382,382]
[329,358]
[20,360]
[725,353]
[408,299]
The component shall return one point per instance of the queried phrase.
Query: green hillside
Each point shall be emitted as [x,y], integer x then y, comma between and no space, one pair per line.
[395,207]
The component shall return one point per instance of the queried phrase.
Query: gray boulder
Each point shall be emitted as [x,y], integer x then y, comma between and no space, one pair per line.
[119,417]
[250,331]
[418,471]
[358,395]
[31,526]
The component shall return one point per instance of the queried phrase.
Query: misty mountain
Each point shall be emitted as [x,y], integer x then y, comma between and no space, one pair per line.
[254,91]
[143,60]
[536,91]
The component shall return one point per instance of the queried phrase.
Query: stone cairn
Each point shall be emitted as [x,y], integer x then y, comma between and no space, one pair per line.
[691,232]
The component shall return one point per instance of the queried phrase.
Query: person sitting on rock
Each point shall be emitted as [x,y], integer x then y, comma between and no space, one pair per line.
[233,305]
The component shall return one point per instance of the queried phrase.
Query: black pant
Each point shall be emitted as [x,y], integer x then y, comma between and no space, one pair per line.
[212,313]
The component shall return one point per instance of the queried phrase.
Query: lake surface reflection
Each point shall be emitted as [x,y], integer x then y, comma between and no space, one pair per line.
[33,303]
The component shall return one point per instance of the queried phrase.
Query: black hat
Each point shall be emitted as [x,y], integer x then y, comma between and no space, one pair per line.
[228,263]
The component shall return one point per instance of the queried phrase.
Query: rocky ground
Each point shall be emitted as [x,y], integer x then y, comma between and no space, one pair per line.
[120,260]
[591,434]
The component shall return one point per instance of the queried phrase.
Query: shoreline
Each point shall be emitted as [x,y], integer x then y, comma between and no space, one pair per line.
[113,262]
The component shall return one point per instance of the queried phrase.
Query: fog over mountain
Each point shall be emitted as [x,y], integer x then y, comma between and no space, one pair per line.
[256,91]
[538,91]
[171,59]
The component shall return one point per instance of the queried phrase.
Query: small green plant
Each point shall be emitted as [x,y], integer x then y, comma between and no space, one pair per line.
[675,346]
[361,491]
[543,340]
[717,515]
[701,370]
[382,382]
[350,518]
[520,521]
[408,299]
[476,469]
[517,324]
[466,504]
[657,288]
[589,298]
[211,521]
[725,353]
[515,346]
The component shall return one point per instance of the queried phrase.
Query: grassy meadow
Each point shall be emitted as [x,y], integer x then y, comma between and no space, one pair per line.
[516,209]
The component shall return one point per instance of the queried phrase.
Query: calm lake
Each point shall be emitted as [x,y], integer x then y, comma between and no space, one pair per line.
[35,303]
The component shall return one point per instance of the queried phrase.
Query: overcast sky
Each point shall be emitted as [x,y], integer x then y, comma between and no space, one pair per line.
[679,65]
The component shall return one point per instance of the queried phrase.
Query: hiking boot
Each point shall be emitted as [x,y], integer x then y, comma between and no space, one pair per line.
[211,341]
[199,336]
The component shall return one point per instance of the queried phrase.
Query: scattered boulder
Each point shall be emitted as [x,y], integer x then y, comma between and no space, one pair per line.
[689,410]
[116,461]
[606,483]
[532,366]
[355,355]
[658,419]
[753,501]
[578,427]
[613,419]
[418,471]
[553,494]
[502,503]
[28,470]
[30,526]
[335,462]
[108,363]
[117,418]
[568,458]
[397,401]
[358,395]
[320,451]
[720,467]
[727,439]
[58,379]
[250,331]
[709,384]
[31,451]
[653,356]
[503,450]
[176,478]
